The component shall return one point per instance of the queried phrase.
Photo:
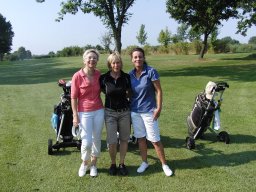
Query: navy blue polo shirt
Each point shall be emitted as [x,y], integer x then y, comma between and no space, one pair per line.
[143,98]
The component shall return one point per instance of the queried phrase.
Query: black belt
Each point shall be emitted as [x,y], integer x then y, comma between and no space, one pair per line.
[118,110]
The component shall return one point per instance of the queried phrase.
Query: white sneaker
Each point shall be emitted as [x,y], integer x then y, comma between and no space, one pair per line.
[168,172]
[82,170]
[142,167]
[93,171]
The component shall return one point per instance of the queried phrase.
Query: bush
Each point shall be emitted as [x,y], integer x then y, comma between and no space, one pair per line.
[181,48]
[196,46]
[162,49]
[242,48]
[128,50]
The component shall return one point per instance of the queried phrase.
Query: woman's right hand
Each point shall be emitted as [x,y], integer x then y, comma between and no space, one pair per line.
[75,120]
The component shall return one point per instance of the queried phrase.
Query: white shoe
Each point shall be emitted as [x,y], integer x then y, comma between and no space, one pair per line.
[168,172]
[142,167]
[82,170]
[93,171]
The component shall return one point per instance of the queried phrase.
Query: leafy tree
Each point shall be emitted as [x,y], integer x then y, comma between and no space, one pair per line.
[203,16]
[6,35]
[71,51]
[252,40]
[193,35]
[22,53]
[224,45]
[106,41]
[247,16]
[28,54]
[99,48]
[113,13]
[142,35]
[51,54]
[182,34]
[229,40]
[164,37]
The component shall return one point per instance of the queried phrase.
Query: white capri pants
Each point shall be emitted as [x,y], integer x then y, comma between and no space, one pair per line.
[91,124]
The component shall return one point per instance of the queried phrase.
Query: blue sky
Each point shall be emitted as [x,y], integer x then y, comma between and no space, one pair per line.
[35,27]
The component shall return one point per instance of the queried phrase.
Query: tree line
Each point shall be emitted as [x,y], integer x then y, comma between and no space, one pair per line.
[198,18]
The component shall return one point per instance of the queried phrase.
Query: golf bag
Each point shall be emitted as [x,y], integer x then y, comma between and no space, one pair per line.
[206,110]
[62,121]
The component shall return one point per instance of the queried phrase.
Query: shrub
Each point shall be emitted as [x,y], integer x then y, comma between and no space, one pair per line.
[181,48]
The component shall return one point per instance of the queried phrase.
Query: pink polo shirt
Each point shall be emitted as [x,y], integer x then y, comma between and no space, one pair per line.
[87,92]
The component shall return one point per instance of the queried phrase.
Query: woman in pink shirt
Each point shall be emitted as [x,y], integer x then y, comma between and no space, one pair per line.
[88,110]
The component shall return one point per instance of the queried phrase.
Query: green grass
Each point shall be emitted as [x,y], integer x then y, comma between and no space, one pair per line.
[28,91]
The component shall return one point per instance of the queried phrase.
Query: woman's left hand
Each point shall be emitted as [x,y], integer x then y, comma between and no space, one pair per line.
[156,114]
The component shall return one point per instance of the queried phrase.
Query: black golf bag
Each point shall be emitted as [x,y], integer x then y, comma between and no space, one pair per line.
[62,121]
[205,111]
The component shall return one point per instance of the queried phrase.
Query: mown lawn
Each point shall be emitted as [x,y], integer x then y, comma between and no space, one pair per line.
[28,91]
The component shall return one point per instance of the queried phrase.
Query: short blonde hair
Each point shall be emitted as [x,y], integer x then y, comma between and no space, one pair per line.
[115,56]
[91,51]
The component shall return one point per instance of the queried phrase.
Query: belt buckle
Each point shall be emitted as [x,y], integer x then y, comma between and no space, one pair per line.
[121,110]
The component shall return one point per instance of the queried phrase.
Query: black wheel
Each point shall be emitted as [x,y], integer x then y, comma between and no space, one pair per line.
[50,151]
[190,143]
[134,140]
[223,136]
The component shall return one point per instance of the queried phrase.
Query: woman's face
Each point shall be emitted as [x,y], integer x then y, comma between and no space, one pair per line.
[116,65]
[91,60]
[138,59]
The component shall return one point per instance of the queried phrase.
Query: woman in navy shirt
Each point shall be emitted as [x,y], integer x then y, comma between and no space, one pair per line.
[146,106]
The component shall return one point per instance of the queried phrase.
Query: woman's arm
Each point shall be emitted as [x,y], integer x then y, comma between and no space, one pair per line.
[75,112]
[159,98]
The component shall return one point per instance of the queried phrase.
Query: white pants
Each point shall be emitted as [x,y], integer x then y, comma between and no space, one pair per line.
[91,124]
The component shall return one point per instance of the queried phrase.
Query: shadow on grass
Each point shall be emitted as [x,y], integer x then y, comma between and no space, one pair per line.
[34,72]
[245,72]
[210,157]
[50,70]
[249,57]
[210,137]
[65,151]
[219,159]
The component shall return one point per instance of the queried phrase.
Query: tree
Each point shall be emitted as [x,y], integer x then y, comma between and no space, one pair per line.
[113,13]
[164,37]
[142,35]
[252,40]
[247,16]
[224,45]
[22,53]
[203,16]
[6,35]
[182,34]
[106,41]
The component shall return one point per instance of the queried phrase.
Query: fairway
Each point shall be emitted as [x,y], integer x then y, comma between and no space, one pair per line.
[28,92]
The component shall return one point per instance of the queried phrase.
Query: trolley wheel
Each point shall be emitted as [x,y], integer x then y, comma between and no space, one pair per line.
[50,151]
[134,140]
[224,137]
[190,143]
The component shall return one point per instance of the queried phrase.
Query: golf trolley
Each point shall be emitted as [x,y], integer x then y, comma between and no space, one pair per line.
[206,109]
[62,121]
